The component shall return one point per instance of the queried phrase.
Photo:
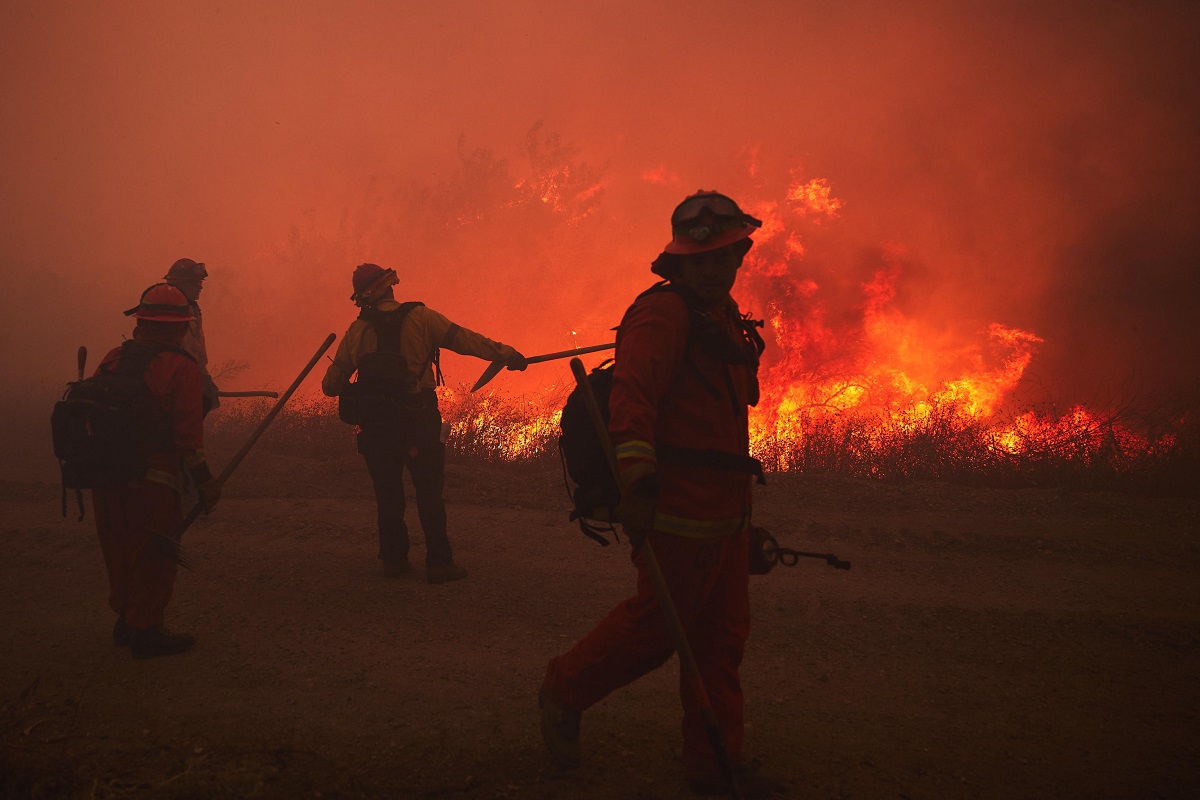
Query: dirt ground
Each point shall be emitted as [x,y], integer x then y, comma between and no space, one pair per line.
[987,643]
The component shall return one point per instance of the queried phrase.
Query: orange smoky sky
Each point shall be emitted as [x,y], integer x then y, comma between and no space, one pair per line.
[516,163]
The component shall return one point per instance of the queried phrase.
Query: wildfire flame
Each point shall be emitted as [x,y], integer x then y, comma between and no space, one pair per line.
[879,395]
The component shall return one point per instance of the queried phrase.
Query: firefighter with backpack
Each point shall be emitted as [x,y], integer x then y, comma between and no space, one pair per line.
[139,500]
[685,373]
[393,349]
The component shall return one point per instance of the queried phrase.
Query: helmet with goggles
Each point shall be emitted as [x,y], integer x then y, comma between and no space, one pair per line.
[707,221]
[704,221]
[370,282]
[185,270]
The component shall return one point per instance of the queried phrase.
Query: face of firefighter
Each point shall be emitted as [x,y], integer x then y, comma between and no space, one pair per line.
[191,289]
[711,275]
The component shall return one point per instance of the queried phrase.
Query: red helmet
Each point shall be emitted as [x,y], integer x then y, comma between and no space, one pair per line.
[186,270]
[706,221]
[369,282]
[162,303]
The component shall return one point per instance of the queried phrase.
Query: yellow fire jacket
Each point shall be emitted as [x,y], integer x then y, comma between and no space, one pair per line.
[422,331]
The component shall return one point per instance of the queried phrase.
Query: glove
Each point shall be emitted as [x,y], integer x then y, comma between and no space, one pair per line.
[208,487]
[513,360]
[210,494]
[637,507]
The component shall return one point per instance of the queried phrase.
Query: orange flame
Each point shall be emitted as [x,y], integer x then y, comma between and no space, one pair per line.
[851,392]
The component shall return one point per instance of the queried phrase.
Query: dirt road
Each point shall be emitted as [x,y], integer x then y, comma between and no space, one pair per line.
[991,644]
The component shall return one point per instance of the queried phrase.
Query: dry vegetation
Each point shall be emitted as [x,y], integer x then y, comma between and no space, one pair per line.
[1056,449]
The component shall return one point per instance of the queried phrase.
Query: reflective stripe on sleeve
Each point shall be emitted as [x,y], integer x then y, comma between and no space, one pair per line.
[635,449]
[165,478]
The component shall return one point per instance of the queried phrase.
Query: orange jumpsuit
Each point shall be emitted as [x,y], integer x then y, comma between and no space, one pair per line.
[141,576]
[682,379]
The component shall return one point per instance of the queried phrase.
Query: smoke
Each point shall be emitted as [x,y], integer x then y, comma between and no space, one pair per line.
[1037,165]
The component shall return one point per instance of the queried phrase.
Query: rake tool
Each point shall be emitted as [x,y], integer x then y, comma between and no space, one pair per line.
[171,543]
[687,661]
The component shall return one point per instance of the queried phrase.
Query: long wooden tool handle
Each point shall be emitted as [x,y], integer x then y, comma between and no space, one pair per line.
[687,661]
[494,368]
[81,360]
[576,352]
[262,427]
[589,400]
[275,409]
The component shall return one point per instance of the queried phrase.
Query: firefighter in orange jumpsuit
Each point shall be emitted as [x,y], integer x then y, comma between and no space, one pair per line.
[141,575]
[686,371]
[394,348]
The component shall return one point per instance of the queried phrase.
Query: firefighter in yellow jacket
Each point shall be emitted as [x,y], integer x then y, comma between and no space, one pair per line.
[188,277]
[393,350]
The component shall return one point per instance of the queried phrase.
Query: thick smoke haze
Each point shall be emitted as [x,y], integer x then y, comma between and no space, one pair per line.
[1037,165]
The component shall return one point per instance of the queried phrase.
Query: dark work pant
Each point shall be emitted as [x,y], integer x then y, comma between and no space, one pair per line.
[415,444]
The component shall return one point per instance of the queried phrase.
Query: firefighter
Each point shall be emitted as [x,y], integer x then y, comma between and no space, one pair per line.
[394,348]
[129,518]
[188,277]
[686,372]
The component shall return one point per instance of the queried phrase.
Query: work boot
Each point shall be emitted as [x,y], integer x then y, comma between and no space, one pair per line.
[560,731]
[156,641]
[394,569]
[121,632]
[445,573]
[751,781]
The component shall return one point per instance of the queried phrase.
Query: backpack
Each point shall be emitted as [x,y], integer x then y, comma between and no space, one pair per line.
[105,426]
[596,494]
[584,461]
[384,384]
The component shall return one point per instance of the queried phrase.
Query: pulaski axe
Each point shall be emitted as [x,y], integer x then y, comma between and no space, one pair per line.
[495,367]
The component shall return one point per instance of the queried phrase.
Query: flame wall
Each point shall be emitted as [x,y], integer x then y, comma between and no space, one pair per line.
[1002,163]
